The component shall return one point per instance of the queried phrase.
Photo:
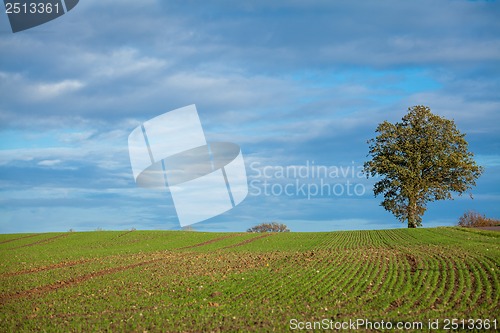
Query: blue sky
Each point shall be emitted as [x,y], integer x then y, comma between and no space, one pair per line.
[294,83]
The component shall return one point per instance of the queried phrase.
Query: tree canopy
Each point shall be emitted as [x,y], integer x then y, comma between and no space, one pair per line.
[421,159]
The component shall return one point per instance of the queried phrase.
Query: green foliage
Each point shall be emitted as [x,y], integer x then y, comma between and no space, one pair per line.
[422,159]
[473,219]
[269,227]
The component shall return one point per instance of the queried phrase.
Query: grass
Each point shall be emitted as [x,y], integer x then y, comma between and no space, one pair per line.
[191,282]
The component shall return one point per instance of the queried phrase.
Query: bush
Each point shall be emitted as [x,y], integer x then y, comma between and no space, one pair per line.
[472,219]
[269,227]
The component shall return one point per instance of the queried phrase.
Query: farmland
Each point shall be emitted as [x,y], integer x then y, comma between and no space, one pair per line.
[190,282]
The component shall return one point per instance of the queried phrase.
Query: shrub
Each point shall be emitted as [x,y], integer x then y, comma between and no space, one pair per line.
[269,227]
[472,219]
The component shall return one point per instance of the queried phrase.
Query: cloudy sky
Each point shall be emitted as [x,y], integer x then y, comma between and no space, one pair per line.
[297,84]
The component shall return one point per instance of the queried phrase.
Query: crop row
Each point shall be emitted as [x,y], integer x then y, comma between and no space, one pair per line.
[229,282]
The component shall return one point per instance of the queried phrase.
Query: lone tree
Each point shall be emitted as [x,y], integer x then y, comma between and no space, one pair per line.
[269,227]
[423,158]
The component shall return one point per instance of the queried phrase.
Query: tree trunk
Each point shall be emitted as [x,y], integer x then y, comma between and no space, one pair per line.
[411,211]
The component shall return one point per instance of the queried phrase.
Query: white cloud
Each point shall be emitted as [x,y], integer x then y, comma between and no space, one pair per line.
[117,63]
[55,89]
[17,87]
[49,163]
[488,160]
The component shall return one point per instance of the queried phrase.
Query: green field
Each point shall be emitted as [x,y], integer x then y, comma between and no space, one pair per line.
[184,281]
